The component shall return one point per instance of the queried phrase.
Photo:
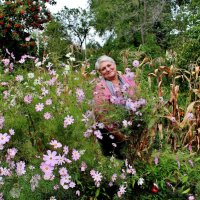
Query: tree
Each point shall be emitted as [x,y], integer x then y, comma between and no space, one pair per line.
[17,19]
[130,20]
[55,40]
[77,22]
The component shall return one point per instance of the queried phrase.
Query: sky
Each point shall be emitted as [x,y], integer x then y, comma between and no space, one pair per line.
[68,3]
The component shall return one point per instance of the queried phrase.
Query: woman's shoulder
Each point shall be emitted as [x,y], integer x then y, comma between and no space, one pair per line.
[100,83]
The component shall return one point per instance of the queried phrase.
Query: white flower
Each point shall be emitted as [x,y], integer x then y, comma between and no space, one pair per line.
[68,54]
[72,59]
[140,181]
[31,75]
[38,64]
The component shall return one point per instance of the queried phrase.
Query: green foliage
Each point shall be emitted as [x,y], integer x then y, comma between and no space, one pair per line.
[17,18]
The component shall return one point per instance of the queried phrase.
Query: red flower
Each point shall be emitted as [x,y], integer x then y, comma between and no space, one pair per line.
[154,188]
[22,12]
[1,23]
[8,26]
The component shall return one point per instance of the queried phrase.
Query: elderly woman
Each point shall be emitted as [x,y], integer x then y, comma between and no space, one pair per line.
[113,88]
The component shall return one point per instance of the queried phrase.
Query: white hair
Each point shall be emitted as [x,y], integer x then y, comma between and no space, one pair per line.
[101,59]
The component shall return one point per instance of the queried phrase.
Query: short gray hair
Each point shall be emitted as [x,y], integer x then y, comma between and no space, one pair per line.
[101,59]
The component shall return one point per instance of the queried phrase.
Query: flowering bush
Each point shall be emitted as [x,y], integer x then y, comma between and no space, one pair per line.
[49,140]
[16,17]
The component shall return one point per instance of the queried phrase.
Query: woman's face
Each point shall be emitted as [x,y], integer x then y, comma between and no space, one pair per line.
[108,70]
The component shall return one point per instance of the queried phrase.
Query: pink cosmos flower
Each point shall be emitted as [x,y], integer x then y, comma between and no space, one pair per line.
[97,177]
[75,155]
[2,120]
[19,78]
[44,91]
[6,61]
[121,191]
[39,107]
[191,197]
[130,75]
[78,193]
[47,116]
[63,171]
[65,180]
[65,150]
[156,160]
[4,83]
[48,102]
[72,184]
[55,144]
[83,166]
[61,159]
[11,153]
[68,121]
[80,95]
[51,158]
[28,99]
[56,187]
[11,131]
[98,134]
[4,138]
[6,94]
[20,168]
[136,63]
[47,169]
[88,133]
[114,177]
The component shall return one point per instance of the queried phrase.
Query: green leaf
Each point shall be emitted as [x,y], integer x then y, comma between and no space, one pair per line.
[97,192]
[133,183]
[186,191]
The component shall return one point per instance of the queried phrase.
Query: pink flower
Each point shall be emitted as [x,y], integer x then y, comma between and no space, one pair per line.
[28,99]
[136,63]
[4,138]
[83,166]
[80,95]
[77,192]
[56,187]
[51,158]
[55,144]
[114,177]
[47,116]
[47,169]
[6,62]
[20,168]
[156,160]
[191,197]
[11,131]
[65,150]
[44,91]
[121,191]
[2,120]
[65,180]
[98,134]
[97,177]
[19,78]
[63,171]
[11,152]
[68,121]
[75,155]
[39,107]
[48,102]
[61,159]
[72,184]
